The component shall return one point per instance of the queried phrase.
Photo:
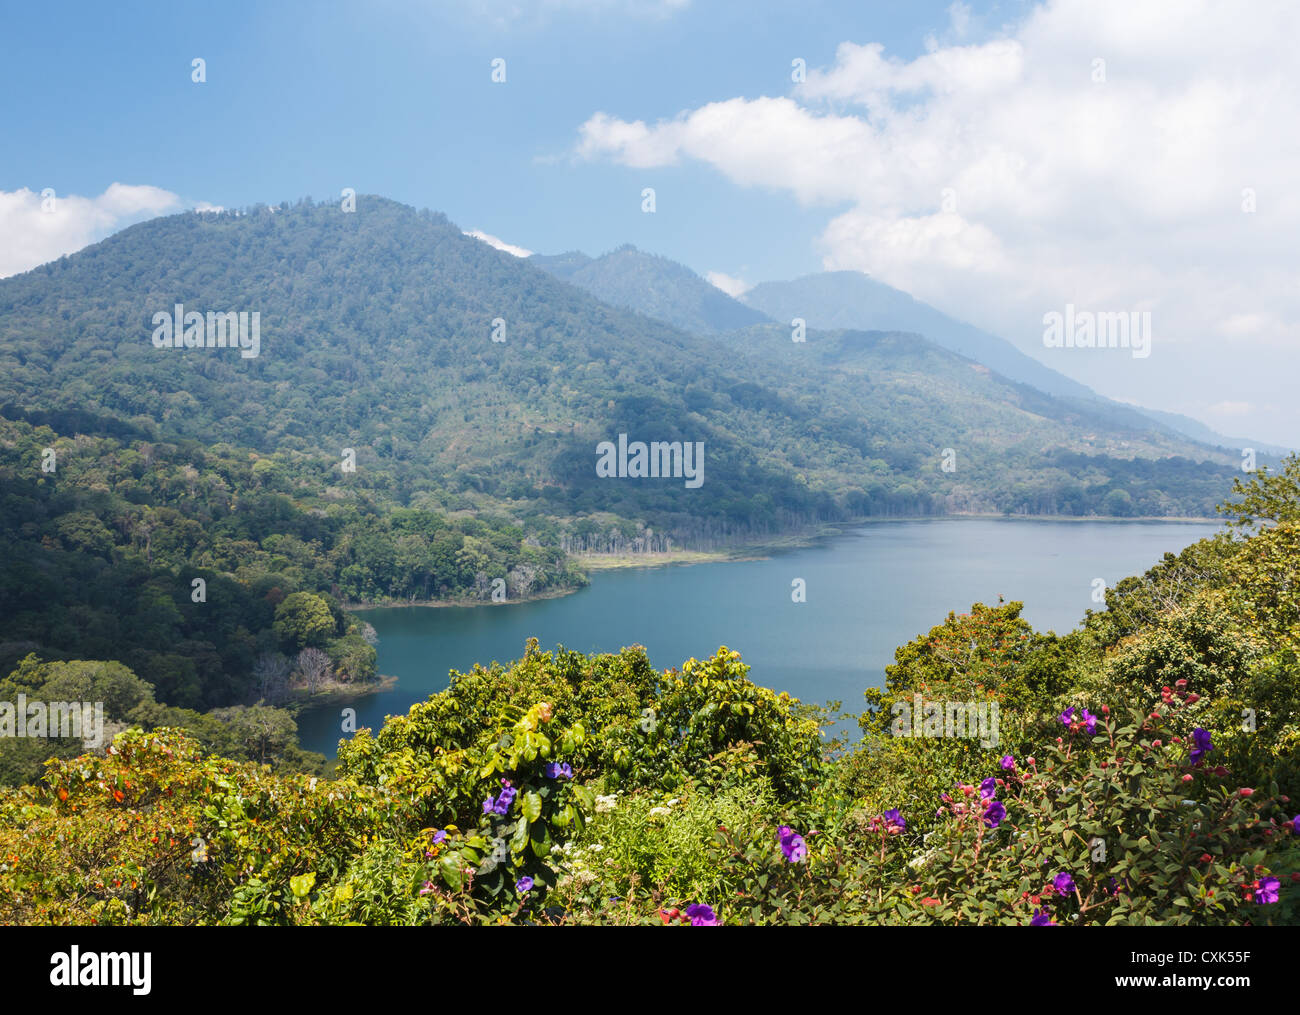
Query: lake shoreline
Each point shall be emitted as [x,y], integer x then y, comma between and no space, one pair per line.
[859,598]
[758,550]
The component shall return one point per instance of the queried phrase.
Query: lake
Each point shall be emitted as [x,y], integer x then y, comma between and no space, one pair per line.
[868,591]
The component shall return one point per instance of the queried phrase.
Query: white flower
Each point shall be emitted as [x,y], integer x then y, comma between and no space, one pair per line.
[606,803]
[659,812]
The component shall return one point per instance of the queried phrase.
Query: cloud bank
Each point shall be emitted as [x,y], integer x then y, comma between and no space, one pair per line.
[1117,155]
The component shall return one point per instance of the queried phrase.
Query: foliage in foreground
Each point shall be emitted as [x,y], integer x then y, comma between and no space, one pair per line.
[1143,772]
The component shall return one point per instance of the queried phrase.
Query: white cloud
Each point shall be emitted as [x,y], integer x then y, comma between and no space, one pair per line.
[729,284]
[35,229]
[997,180]
[500,244]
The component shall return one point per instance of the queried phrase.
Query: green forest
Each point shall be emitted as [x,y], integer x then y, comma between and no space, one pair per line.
[1145,773]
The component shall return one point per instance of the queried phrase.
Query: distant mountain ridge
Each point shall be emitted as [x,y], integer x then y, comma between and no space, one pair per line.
[654,286]
[668,291]
[851,299]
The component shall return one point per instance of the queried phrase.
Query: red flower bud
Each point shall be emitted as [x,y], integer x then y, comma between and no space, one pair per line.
[1246,791]
[1192,699]
[1187,778]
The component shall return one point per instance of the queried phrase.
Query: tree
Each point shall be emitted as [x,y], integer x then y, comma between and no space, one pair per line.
[1267,497]
[314,665]
[261,733]
[304,619]
[271,672]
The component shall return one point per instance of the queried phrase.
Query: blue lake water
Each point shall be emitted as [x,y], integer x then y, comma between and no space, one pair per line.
[868,591]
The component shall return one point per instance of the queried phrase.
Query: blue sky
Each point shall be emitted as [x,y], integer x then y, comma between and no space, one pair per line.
[397,99]
[1000,161]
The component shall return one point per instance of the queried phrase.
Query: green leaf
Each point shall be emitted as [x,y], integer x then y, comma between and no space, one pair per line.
[449,867]
[302,884]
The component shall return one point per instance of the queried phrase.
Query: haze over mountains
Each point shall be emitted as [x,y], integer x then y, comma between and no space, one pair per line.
[466,372]
[671,292]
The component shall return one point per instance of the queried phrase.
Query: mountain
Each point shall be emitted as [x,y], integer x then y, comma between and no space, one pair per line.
[670,292]
[653,286]
[1198,431]
[851,299]
[469,379]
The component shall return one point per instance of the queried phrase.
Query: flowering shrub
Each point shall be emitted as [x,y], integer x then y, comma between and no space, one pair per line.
[154,833]
[1125,824]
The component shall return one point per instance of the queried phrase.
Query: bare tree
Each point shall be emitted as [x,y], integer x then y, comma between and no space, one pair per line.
[271,671]
[314,665]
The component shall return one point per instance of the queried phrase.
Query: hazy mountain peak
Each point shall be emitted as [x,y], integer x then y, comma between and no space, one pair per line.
[655,286]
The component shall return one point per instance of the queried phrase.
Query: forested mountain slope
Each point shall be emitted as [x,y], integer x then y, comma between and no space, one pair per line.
[459,371]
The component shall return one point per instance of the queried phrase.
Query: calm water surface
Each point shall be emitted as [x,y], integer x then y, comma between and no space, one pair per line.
[868,591]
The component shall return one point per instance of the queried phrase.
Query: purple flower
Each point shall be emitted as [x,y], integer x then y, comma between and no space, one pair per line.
[1295,823]
[988,787]
[1063,883]
[1041,919]
[1088,720]
[894,822]
[428,887]
[792,844]
[553,770]
[994,812]
[702,915]
[1267,891]
[1008,762]
[1201,745]
[524,885]
[502,803]
[439,836]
